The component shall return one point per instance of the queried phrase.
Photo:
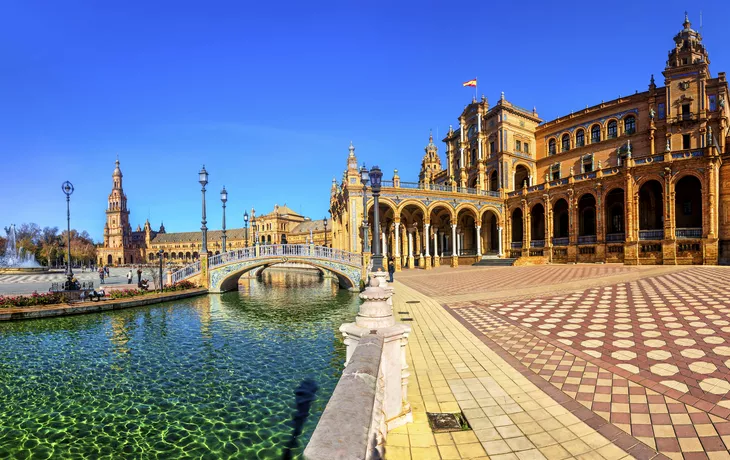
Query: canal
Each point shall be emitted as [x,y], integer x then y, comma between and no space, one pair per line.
[206,377]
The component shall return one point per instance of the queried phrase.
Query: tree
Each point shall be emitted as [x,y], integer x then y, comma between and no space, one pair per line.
[50,244]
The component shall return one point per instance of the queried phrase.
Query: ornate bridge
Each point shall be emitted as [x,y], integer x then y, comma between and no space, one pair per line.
[221,272]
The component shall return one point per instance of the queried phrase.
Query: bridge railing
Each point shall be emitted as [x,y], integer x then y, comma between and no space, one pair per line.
[286,250]
[186,272]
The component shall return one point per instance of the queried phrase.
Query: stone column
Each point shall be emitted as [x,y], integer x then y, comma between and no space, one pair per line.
[499,243]
[479,240]
[426,237]
[436,258]
[384,238]
[454,253]
[411,261]
[396,237]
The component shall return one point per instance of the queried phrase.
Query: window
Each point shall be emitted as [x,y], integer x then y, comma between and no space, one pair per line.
[518,146]
[473,156]
[612,129]
[586,163]
[662,111]
[595,134]
[551,147]
[565,143]
[555,171]
[491,147]
[580,138]
[686,141]
[630,124]
[526,147]
[686,114]
[713,102]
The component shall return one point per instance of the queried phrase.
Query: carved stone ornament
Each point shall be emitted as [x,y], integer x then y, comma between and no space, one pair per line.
[683,85]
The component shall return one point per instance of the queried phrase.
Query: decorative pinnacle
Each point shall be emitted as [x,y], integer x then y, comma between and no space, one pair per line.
[352,150]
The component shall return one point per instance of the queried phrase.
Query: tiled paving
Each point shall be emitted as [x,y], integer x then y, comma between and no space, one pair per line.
[514,413]
[650,356]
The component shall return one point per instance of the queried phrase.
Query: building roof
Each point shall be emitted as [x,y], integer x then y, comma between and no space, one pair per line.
[306,226]
[186,237]
[282,211]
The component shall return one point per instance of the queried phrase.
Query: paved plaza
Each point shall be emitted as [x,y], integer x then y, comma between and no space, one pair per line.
[27,284]
[581,361]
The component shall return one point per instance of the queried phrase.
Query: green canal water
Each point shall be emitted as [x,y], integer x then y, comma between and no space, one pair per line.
[207,377]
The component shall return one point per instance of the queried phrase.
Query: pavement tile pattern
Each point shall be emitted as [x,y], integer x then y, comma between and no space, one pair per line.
[649,356]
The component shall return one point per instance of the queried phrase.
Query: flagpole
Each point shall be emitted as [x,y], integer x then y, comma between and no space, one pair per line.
[476,88]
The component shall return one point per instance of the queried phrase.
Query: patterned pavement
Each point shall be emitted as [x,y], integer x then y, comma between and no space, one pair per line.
[650,356]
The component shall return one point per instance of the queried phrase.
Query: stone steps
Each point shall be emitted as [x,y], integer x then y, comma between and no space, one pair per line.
[494,261]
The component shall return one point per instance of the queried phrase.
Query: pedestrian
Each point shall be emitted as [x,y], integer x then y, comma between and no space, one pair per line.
[106,269]
[101,275]
[129,276]
[139,275]
[391,268]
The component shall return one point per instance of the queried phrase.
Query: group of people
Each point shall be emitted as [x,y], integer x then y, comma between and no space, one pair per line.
[142,284]
[103,273]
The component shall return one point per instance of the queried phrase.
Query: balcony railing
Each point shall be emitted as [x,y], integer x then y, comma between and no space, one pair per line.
[537,243]
[615,237]
[516,245]
[561,241]
[587,239]
[688,233]
[651,234]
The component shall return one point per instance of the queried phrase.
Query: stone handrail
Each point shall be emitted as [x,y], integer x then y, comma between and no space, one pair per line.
[186,272]
[353,421]
[284,250]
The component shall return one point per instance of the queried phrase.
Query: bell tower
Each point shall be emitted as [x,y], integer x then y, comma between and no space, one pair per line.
[117,230]
[431,163]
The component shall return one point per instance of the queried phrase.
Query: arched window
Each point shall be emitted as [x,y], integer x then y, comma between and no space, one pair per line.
[565,143]
[580,138]
[595,134]
[551,147]
[630,124]
[612,129]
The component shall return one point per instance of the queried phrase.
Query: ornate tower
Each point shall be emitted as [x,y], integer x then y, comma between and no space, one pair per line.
[431,163]
[117,231]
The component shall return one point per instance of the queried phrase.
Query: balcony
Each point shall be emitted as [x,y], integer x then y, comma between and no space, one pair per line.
[537,243]
[587,239]
[562,241]
[688,233]
[615,237]
[651,234]
[516,245]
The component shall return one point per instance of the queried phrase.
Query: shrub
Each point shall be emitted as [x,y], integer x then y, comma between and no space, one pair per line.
[32,300]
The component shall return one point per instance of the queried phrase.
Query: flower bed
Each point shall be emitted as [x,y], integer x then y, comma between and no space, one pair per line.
[126,293]
[32,300]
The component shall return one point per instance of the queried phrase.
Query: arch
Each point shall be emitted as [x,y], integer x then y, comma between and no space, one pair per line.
[473,182]
[517,222]
[612,129]
[587,215]
[614,212]
[561,219]
[225,277]
[552,146]
[411,202]
[151,256]
[109,259]
[595,133]
[688,203]
[382,201]
[467,206]
[493,181]
[580,137]
[537,222]
[180,255]
[490,230]
[630,124]
[441,204]
[651,207]
[521,176]
[565,142]
[187,256]
[490,208]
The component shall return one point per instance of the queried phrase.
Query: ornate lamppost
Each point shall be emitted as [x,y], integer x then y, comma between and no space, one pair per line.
[224,198]
[68,189]
[203,179]
[245,228]
[160,253]
[376,175]
[325,230]
[365,178]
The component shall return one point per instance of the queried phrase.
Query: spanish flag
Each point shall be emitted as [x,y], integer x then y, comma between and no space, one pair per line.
[470,83]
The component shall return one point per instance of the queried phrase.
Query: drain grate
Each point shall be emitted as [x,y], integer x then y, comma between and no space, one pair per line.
[441,422]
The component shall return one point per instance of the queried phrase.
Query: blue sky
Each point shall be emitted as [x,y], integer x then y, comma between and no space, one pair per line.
[269,95]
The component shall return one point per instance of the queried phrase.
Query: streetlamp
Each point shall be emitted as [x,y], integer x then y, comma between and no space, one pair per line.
[160,253]
[245,227]
[376,175]
[325,230]
[68,189]
[364,178]
[203,179]
[224,198]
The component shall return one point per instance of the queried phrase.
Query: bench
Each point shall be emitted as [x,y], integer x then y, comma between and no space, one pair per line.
[91,294]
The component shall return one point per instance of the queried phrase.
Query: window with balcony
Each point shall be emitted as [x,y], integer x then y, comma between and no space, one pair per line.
[630,124]
[595,134]
[518,146]
[612,130]
[686,141]
[551,147]
[686,112]
[526,147]
[586,163]
[565,143]
[555,171]
[580,138]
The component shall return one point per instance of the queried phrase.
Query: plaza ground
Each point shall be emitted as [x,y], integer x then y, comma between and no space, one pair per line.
[27,284]
[577,361]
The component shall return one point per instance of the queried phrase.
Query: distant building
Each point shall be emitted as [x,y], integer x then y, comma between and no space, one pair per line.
[123,246]
[641,179]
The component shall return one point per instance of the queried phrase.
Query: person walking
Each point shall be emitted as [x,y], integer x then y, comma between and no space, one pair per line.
[101,275]
[129,276]
[139,275]
[391,268]
[106,269]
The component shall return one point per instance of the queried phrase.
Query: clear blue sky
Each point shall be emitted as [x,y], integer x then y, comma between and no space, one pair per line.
[269,94]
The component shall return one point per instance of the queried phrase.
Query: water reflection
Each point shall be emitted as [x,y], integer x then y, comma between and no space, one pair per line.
[209,375]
